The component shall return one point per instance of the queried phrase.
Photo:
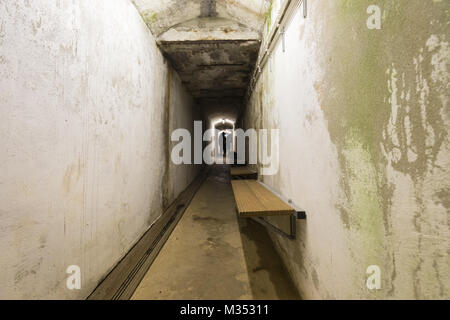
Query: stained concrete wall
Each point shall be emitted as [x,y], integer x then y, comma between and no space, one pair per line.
[364,149]
[86,104]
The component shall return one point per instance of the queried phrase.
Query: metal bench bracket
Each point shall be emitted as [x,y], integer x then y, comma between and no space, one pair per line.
[293,225]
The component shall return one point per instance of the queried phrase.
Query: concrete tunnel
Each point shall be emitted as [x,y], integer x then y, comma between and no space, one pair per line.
[94,206]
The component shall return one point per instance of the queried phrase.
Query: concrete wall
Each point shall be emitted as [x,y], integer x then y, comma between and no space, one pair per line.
[364,121]
[87,103]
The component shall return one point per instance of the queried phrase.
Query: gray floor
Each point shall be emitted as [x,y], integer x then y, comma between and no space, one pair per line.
[212,254]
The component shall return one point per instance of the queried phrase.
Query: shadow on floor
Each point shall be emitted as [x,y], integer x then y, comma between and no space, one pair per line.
[212,254]
[264,265]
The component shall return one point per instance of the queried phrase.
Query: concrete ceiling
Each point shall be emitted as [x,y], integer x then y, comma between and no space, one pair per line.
[213,45]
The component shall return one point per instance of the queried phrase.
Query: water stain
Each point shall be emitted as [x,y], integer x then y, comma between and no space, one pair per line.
[71,175]
[209,219]
[208,9]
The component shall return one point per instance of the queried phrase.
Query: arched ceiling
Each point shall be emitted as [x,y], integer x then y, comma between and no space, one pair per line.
[213,45]
[161,15]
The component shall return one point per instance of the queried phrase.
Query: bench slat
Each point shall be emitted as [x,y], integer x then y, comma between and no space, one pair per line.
[255,200]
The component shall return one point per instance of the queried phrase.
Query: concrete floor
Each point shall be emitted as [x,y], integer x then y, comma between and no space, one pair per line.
[212,254]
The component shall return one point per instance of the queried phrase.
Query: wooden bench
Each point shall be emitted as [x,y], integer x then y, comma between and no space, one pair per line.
[243,173]
[253,200]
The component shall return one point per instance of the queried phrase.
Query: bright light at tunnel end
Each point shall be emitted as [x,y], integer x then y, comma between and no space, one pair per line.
[227,146]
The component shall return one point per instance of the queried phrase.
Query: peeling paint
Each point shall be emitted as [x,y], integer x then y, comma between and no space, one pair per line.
[372,168]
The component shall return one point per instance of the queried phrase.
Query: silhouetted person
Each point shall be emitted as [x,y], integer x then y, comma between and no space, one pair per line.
[224,143]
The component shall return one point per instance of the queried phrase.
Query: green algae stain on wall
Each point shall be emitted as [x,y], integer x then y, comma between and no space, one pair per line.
[269,17]
[150,17]
[352,101]
[383,106]
[384,96]
[368,59]
[364,202]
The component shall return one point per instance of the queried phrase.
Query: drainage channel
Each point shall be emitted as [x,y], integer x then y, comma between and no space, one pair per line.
[125,277]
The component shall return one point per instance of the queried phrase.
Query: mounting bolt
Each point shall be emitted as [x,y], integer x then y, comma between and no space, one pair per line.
[301,215]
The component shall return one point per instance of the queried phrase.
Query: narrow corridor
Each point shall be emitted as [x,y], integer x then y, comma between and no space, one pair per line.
[212,254]
[332,114]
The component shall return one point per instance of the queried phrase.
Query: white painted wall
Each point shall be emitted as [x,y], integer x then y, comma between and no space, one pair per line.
[363,119]
[83,137]
[181,116]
